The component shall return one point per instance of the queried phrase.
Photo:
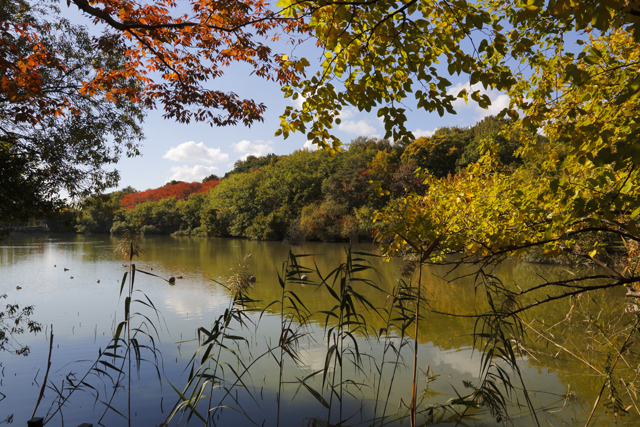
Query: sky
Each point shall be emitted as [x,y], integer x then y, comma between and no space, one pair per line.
[190,152]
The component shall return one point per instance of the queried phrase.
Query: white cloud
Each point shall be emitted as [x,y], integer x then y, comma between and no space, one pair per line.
[458,360]
[310,146]
[419,132]
[191,174]
[360,127]
[191,152]
[499,101]
[299,101]
[347,114]
[498,104]
[314,358]
[247,148]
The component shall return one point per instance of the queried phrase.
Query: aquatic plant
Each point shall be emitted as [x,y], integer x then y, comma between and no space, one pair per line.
[238,282]
[130,341]
[221,377]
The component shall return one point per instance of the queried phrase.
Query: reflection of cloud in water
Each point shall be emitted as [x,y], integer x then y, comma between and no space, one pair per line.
[196,305]
[459,361]
[314,358]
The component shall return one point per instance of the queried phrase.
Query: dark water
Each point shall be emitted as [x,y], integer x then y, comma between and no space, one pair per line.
[84,307]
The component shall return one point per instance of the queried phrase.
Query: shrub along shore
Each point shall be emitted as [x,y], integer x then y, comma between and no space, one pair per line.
[306,195]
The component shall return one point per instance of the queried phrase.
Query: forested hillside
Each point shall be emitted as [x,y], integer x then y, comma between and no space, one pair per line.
[307,195]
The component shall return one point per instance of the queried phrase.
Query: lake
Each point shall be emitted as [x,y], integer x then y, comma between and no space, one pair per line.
[73,281]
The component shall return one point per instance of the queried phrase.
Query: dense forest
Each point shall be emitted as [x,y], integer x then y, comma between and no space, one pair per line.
[307,195]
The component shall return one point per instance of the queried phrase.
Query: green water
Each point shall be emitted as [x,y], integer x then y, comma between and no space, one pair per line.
[83,306]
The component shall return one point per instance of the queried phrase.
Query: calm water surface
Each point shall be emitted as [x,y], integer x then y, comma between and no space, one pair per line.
[73,282]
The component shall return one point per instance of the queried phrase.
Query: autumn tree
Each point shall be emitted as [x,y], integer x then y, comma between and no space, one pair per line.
[175,189]
[189,44]
[56,79]
[54,136]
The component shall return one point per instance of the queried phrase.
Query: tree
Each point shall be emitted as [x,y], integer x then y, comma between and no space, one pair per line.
[190,210]
[487,134]
[97,213]
[349,184]
[234,199]
[54,136]
[252,163]
[439,153]
[177,189]
[583,98]
[384,53]
[13,321]
[190,49]
[212,177]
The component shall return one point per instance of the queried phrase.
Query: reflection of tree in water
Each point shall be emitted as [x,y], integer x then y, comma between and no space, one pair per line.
[567,324]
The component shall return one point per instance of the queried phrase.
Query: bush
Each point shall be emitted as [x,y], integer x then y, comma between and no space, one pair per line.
[149,229]
[118,227]
[349,229]
[323,221]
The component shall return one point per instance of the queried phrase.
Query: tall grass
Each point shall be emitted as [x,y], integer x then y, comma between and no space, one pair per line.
[345,330]
[133,342]
[219,374]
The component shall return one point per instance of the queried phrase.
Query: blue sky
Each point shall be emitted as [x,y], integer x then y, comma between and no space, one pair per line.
[189,152]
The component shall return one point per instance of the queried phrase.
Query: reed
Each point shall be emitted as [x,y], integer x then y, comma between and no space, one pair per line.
[220,373]
[133,342]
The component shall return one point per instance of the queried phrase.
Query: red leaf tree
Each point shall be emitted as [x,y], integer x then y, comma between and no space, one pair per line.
[179,190]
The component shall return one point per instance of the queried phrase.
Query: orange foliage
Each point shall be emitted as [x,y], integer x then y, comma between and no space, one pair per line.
[21,82]
[183,52]
[181,190]
[190,49]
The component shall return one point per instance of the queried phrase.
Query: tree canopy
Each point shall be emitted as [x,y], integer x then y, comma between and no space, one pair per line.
[188,44]
[570,70]
[54,136]
[72,103]
[178,190]
[381,54]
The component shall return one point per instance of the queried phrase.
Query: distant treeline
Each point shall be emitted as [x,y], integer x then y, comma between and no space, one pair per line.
[306,195]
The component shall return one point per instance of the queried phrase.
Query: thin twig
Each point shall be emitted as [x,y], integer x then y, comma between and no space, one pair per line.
[595,405]
[46,375]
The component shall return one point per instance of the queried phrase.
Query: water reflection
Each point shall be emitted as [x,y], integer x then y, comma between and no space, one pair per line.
[84,313]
